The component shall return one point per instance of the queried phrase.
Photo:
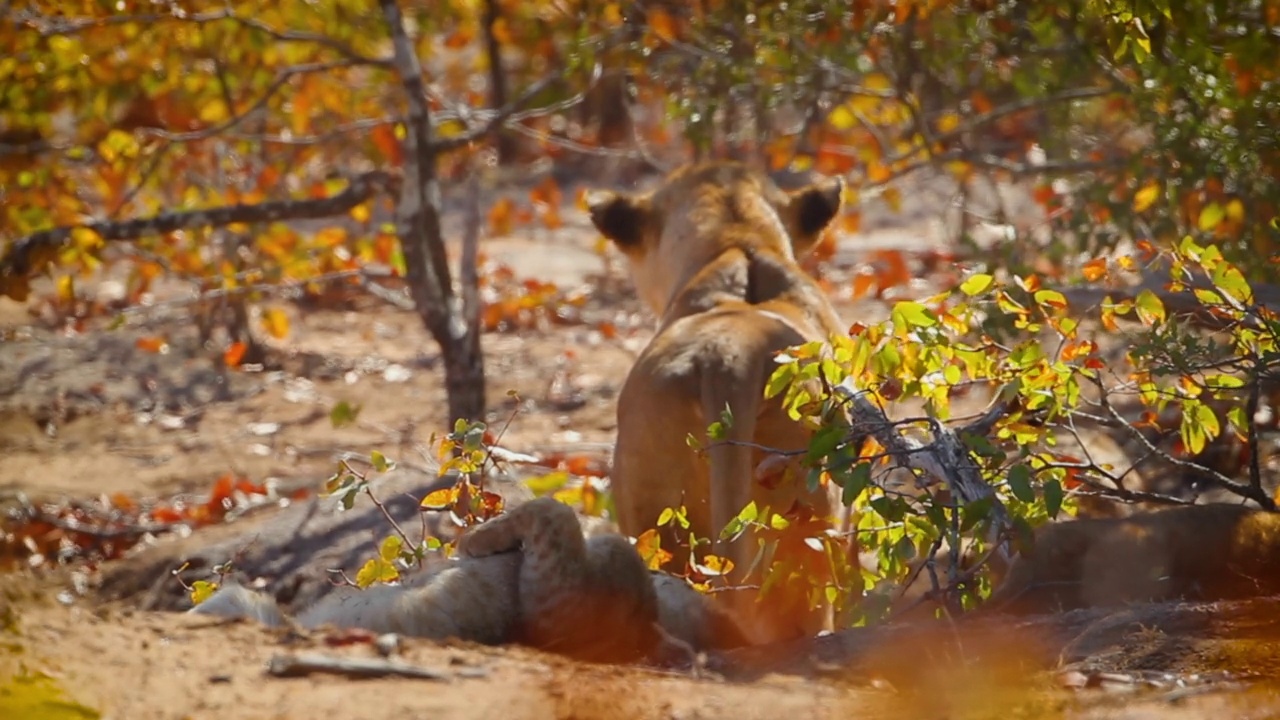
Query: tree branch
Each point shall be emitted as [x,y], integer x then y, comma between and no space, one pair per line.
[23,255]
[946,458]
[50,26]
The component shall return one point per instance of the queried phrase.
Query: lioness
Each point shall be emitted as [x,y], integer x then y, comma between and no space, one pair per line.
[526,576]
[1206,552]
[713,253]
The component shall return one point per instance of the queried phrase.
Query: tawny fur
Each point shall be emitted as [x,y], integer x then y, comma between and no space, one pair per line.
[1204,552]
[713,254]
[526,576]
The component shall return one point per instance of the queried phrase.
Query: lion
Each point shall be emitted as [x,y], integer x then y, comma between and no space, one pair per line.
[1198,552]
[713,253]
[528,576]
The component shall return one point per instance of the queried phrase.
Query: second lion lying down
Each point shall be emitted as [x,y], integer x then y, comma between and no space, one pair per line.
[527,576]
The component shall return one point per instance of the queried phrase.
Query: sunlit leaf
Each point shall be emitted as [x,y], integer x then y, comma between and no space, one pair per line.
[977,284]
[275,322]
[1210,217]
[1146,197]
[1149,307]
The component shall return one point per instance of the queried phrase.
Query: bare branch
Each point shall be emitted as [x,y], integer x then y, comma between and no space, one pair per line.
[288,666]
[946,458]
[23,254]
[1243,490]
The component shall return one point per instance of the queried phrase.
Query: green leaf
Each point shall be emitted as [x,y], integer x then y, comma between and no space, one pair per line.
[824,442]
[780,379]
[1223,382]
[1211,216]
[1199,425]
[1051,299]
[855,482]
[975,512]
[344,413]
[1053,497]
[977,284]
[1238,417]
[909,313]
[1020,483]
[1150,308]
[952,374]
[380,462]
[547,484]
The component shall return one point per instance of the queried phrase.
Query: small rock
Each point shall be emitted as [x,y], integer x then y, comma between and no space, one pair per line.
[387,644]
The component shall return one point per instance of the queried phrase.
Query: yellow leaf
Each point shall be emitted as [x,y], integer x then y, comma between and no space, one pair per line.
[66,289]
[275,322]
[893,196]
[85,239]
[842,118]
[1235,210]
[715,565]
[948,122]
[360,213]
[376,570]
[612,16]
[1210,217]
[201,590]
[440,499]
[213,112]
[1145,197]
[390,548]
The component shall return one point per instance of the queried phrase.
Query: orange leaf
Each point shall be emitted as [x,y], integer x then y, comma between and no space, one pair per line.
[891,268]
[440,499]
[862,284]
[649,545]
[122,502]
[502,31]
[1095,269]
[234,353]
[152,344]
[1147,249]
[1044,194]
[851,221]
[662,24]
[384,138]
[459,39]
[166,514]
[222,488]
[500,217]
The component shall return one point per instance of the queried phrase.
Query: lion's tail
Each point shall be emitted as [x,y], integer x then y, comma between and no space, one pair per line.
[236,601]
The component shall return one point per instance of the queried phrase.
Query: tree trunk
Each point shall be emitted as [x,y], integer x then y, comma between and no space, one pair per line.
[418,225]
[505,142]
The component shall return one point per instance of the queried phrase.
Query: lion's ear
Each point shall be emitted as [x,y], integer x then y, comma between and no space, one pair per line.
[814,207]
[621,218]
